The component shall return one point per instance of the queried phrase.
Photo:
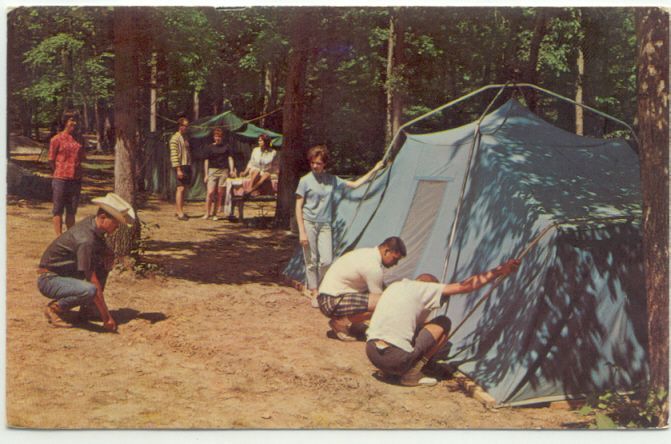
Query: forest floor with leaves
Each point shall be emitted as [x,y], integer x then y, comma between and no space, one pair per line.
[211,340]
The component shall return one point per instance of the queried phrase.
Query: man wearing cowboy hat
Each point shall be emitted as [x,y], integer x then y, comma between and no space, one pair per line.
[74,268]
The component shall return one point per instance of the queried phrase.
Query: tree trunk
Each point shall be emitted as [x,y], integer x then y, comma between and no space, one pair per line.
[268,93]
[394,75]
[127,91]
[292,127]
[653,117]
[196,104]
[579,114]
[153,95]
[531,74]
[100,128]
[85,117]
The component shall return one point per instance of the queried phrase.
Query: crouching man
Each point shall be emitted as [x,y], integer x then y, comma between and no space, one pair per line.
[74,268]
[353,284]
[400,343]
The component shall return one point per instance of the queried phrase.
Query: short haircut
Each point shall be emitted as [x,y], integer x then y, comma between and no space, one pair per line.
[426,277]
[319,151]
[218,131]
[182,121]
[394,244]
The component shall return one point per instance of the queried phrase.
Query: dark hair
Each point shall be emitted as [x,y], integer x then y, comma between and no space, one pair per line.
[218,131]
[67,116]
[394,244]
[266,139]
[319,151]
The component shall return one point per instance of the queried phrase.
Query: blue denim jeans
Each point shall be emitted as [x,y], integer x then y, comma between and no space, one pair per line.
[69,292]
[318,254]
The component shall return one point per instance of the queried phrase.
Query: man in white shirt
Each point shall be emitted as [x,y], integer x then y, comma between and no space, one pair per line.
[393,345]
[352,286]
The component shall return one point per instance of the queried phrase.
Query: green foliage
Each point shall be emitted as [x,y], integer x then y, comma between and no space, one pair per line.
[63,56]
[614,410]
[140,266]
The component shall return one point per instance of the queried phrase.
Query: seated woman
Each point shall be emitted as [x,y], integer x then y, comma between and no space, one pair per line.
[262,164]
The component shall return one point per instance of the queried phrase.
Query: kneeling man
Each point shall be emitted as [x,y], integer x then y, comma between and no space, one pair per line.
[352,286]
[399,340]
[74,268]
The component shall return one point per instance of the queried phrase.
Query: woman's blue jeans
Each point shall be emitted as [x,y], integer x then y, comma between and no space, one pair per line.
[318,254]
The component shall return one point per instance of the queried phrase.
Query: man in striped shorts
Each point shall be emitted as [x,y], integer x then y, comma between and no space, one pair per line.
[352,286]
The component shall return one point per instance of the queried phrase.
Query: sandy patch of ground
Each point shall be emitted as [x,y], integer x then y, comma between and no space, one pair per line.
[216,342]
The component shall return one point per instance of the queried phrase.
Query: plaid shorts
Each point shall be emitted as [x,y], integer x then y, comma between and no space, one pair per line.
[342,305]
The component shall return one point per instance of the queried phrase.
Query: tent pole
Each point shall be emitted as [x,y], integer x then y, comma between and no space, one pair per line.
[474,145]
[388,151]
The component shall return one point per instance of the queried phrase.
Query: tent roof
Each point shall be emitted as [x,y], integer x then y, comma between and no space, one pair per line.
[228,120]
[562,175]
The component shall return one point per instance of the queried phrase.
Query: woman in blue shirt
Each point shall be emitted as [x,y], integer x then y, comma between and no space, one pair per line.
[314,214]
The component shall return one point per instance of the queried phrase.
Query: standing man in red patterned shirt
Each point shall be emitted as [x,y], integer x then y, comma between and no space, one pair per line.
[65,158]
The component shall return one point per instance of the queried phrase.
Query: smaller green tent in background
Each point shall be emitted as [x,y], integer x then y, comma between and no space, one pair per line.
[242,136]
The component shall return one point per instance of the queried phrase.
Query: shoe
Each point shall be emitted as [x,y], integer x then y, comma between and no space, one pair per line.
[54,314]
[314,302]
[341,330]
[215,218]
[414,377]
[206,217]
[183,217]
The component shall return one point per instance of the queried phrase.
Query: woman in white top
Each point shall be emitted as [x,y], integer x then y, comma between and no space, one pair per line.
[262,164]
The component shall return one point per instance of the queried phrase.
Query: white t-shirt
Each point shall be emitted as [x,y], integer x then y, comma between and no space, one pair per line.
[404,305]
[265,161]
[359,271]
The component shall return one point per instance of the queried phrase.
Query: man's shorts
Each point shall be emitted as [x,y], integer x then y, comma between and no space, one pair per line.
[65,196]
[216,177]
[396,361]
[185,181]
[343,305]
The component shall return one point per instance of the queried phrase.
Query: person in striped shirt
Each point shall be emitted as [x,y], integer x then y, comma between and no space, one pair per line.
[180,158]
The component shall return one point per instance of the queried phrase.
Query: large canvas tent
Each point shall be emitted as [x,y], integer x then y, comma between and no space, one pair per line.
[571,321]
[158,174]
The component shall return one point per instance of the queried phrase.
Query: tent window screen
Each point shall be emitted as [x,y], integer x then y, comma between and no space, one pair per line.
[418,225]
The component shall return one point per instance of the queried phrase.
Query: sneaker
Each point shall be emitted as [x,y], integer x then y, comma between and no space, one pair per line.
[414,377]
[183,217]
[314,302]
[341,330]
[205,217]
[215,218]
[54,315]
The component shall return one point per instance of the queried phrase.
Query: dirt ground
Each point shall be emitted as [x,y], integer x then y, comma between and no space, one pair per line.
[215,341]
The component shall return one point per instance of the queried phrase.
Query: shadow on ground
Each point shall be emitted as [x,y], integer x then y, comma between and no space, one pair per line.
[236,257]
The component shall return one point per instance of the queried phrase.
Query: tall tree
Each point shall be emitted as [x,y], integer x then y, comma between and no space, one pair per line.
[394,85]
[653,127]
[292,127]
[531,71]
[127,43]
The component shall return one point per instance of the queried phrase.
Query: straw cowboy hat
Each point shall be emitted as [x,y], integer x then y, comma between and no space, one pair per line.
[117,207]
